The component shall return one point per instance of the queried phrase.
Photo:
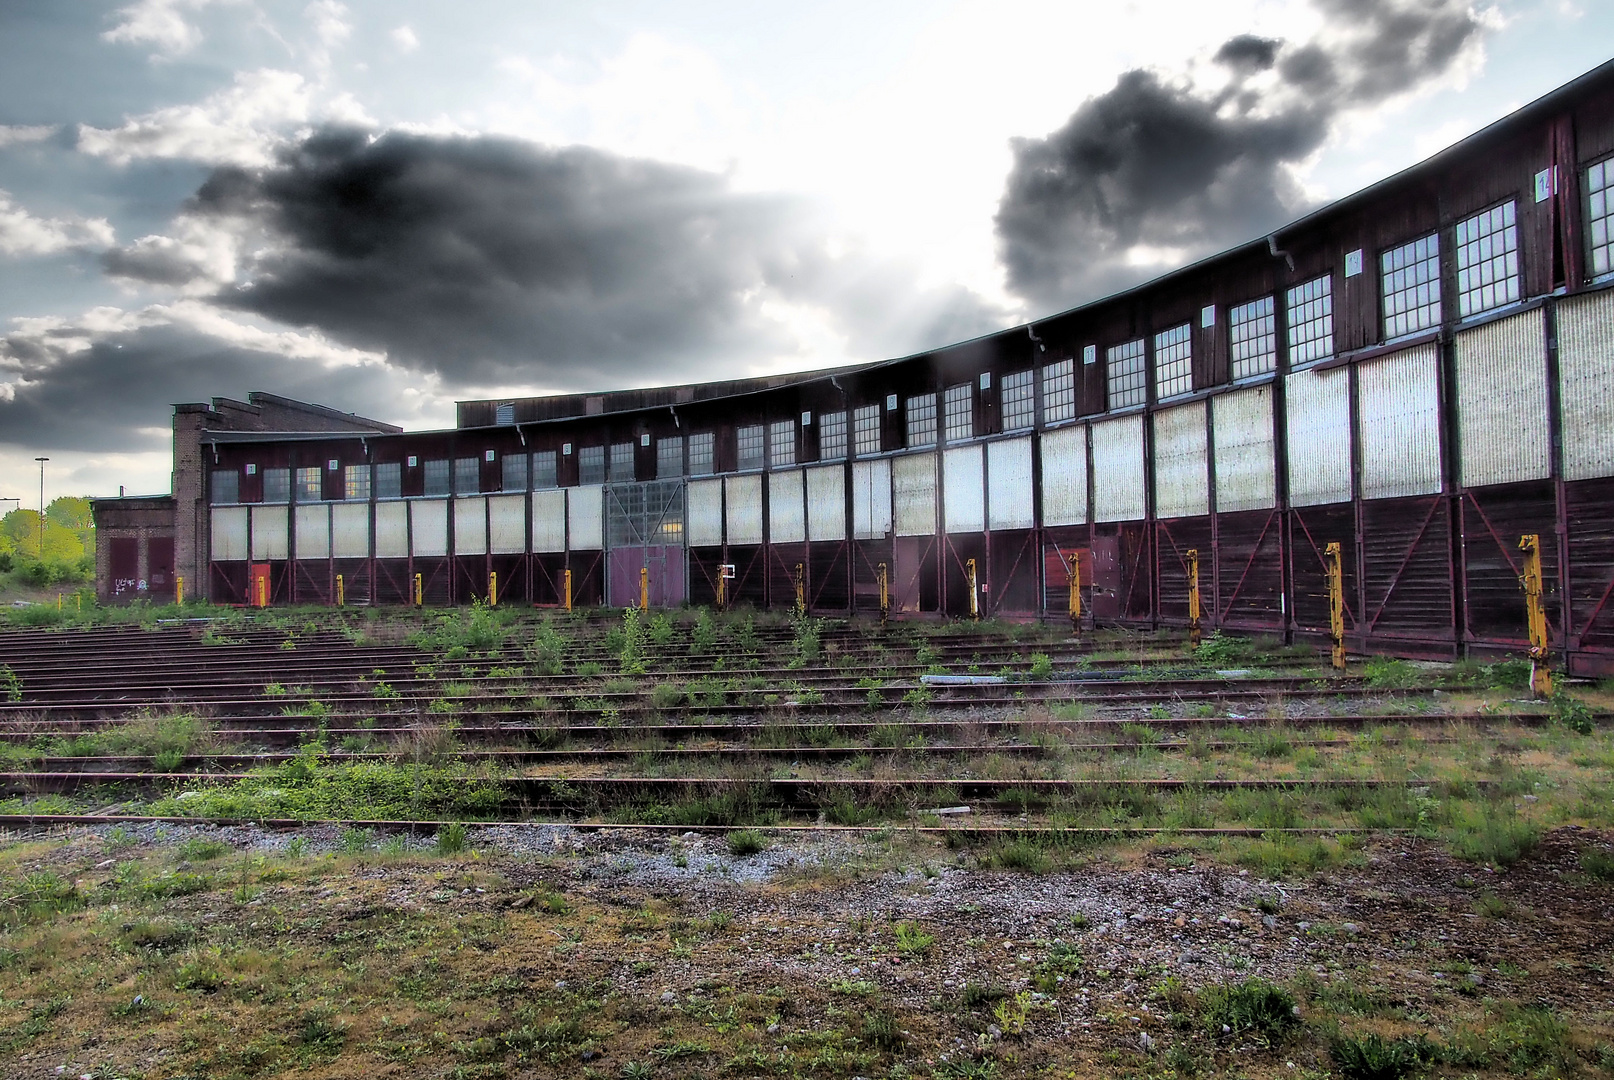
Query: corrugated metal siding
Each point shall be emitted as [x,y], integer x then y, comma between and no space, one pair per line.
[585,517]
[1503,434]
[1008,485]
[1181,476]
[228,529]
[391,530]
[744,497]
[1245,465]
[826,503]
[1399,426]
[549,520]
[963,490]
[1117,469]
[350,530]
[471,525]
[313,531]
[270,530]
[913,494]
[507,524]
[1064,476]
[871,499]
[705,510]
[1586,384]
[428,525]
[1318,405]
[787,508]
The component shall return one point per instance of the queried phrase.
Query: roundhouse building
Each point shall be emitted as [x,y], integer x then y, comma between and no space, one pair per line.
[1421,372]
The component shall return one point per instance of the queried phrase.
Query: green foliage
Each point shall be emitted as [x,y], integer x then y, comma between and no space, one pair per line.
[479,629]
[881,1029]
[1388,673]
[1373,1057]
[546,652]
[1489,832]
[703,636]
[1571,712]
[666,695]
[1062,962]
[808,643]
[1597,864]
[629,643]
[451,838]
[1024,855]
[746,842]
[10,684]
[1253,1008]
[202,849]
[1222,650]
[912,939]
[1042,666]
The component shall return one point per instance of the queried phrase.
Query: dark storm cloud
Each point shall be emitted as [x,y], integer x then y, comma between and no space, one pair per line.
[1153,165]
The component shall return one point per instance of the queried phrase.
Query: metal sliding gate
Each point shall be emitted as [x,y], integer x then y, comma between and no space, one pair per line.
[644,536]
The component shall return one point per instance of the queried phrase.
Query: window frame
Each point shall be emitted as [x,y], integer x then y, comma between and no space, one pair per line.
[1434,311]
[1174,374]
[919,418]
[750,447]
[702,454]
[866,421]
[1266,332]
[1510,255]
[781,444]
[1134,372]
[958,412]
[390,475]
[834,429]
[1303,353]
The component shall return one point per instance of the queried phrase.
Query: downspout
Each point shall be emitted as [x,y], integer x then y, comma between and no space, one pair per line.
[1278,253]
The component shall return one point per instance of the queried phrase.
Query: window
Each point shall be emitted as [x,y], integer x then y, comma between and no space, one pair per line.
[1411,282]
[1059,391]
[1487,261]
[1128,381]
[388,480]
[831,435]
[1019,400]
[504,413]
[591,465]
[1311,321]
[866,430]
[545,474]
[515,473]
[467,476]
[1173,362]
[226,486]
[356,483]
[701,455]
[309,486]
[1600,215]
[1253,334]
[782,443]
[436,476]
[921,414]
[749,441]
[622,470]
[670,457]
[276,485]
[958,412]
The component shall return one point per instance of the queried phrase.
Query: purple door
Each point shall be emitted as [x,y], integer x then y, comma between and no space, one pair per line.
[665,566]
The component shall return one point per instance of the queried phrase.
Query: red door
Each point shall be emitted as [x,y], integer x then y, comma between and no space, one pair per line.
[258,595]
[160,566]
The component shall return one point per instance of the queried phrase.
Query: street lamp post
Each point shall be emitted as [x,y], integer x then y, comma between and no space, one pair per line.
[41,461]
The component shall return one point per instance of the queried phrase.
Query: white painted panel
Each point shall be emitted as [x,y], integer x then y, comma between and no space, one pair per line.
[1008,484]
[313,523]
[391,530]
[963,489]
[913,494]
[1181,473]
[271,527]
[1586,384]
[742,496]
[428,524]
[1318,407]
[471,525]
[549,520]
[1502,412]
[826,503]
[704,505]
[1246,468]
[787,507]
[350,530]
[1118,469]
[507,524]
[871,499]
[228,532]
[585,517]
[1399,423]
[1064,476]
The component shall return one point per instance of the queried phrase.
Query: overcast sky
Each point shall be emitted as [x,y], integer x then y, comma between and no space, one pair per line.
[386,206]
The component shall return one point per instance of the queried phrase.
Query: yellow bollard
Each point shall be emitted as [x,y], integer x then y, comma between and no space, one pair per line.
[1336,601]
[58,601]
[566,576]
[1536,615]
[263,591]
[78,598]
[801,589]
[644,588]
[725,574]
[493,588]
[420,592]
[179,591]
[1193,598]
[1075,563]
[885,594]
[341,592]
[975,589]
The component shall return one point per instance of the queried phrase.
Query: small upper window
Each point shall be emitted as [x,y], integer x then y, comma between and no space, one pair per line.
[356,483]
[1411,283]
[388,480]
[1059,391]
[782,443]
[591,465]
[515,472]
[1487,260]
[832,435]
[310,486]
[436,476]
[702,461]
[544,472]
[1311,321]
[1173,362]
[1019,400]
[750,447]
[958,411]
[922,420]
[1253,334]
[669,457]
[1127,375]
[1600,215]
[226,486]
[622,470]
[467,476]
[276,485]
[866,430]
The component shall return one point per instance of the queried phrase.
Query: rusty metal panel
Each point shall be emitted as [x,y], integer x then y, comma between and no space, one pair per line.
[826,503]
[704,505]
[428,527]
[963,489]
[1318,405]
[1399,423]
[1586,384]
[1503,431]
[1064,476]
[312,522]
[743,495]
[228,529]
[871,499]
[549,520]
[271,531]
[1118,469]
[585,517]
[1246,470]
[391,530]
[350,530]
[507,524]
[913,494]
[1181,476]
[1008,486]
[471,525]
[787,509]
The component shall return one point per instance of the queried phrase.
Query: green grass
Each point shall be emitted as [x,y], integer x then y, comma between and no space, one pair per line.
[1254,1008]
[746,842]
